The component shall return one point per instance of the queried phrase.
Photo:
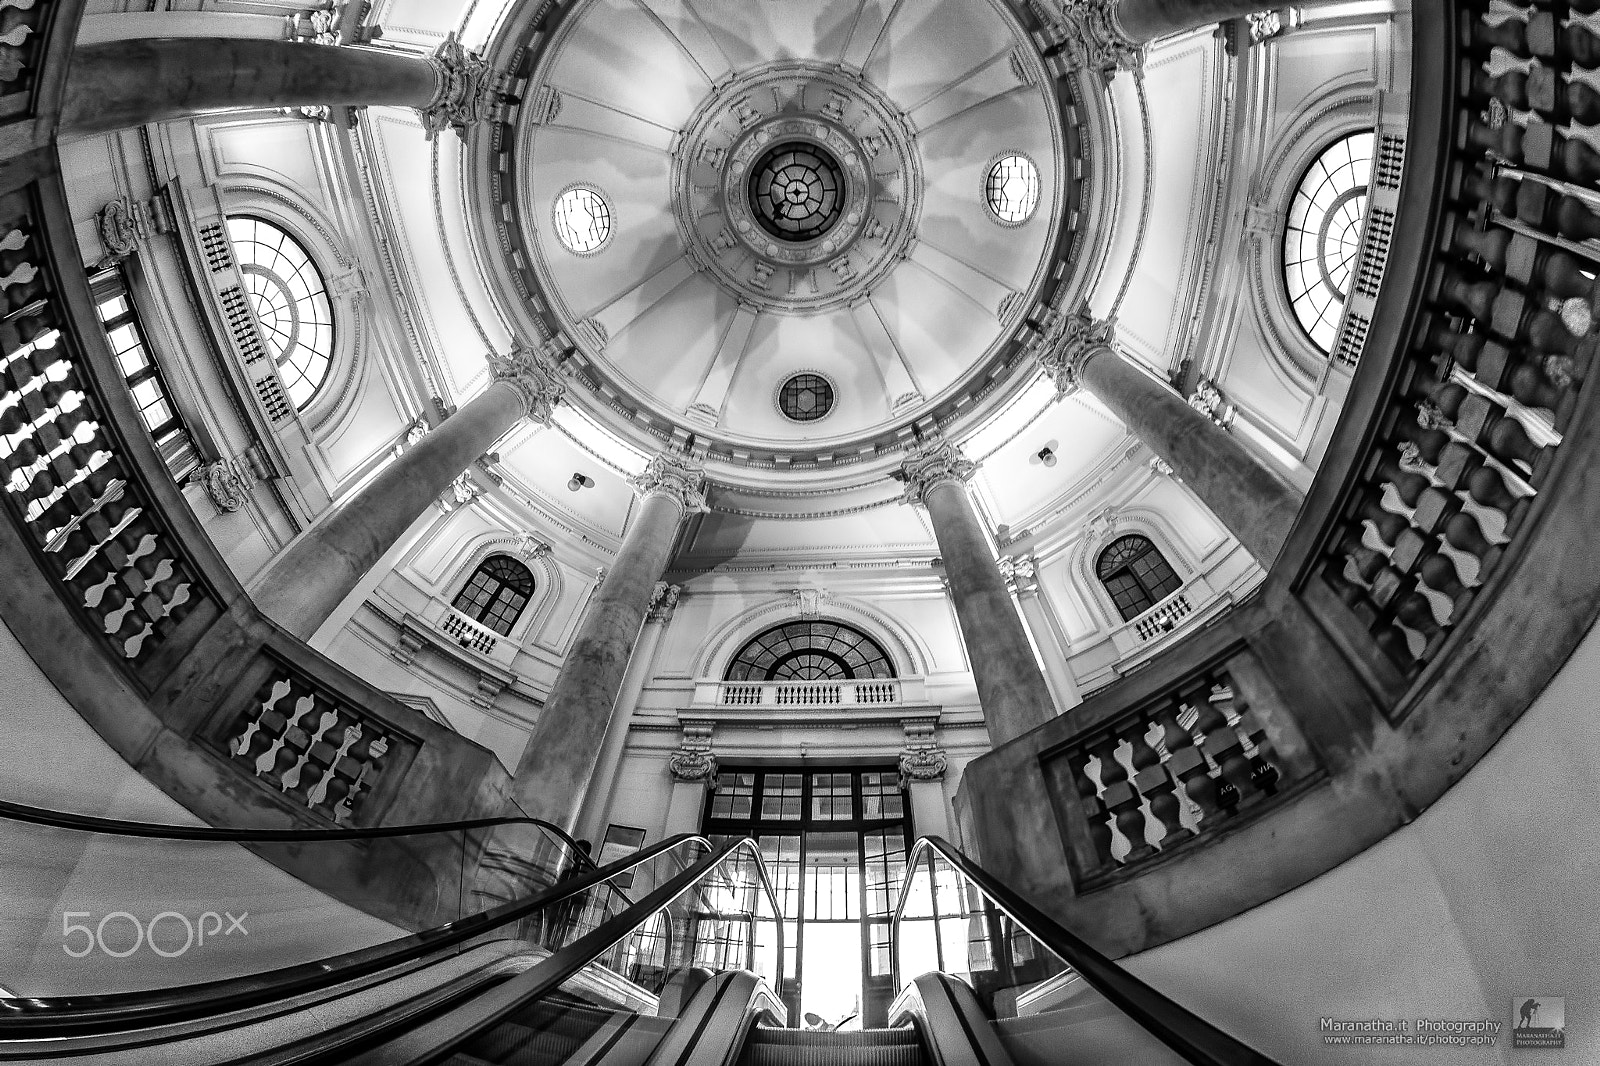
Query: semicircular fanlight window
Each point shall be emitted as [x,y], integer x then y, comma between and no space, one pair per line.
[810,651]
[1323,235]
[290,300]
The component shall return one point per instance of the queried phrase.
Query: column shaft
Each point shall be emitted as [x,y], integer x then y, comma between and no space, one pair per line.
[1145,20]
[597,805]
[1248,497]
[129,83]
[1052,649]
[560,757]
[1012,690]
[309,581]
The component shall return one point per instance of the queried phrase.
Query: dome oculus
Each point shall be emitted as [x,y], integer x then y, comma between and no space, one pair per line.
[1011,189]
[1323,235]
[797,191]
[805,397]
[582,219]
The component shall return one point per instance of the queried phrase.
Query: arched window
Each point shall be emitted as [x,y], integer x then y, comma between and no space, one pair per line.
[500,588]
[810,651]
[1323,235]
[1136,575]
[290,301]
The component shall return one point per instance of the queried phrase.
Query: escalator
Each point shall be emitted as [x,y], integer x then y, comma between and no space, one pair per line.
[669,957]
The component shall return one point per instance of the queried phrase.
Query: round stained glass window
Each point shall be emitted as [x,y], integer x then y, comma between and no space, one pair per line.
[582,220]
[290,301]
[805,397]
[797,191]
[1323,235]
[1012,189]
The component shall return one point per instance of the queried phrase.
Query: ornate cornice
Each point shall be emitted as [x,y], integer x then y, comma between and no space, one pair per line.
[675,477]
[465,89]
[1064,343]
[932,463]
[534,375]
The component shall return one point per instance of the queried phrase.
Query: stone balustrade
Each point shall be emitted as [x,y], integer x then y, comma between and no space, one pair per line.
[1172,769]
[69,480]
[468,632]
[1500,350]
[882,692]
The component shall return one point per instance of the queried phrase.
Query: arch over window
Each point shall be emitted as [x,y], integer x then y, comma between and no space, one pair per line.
[496,593]
[290,300]
[1323,234]
[810,651]
[1136,574]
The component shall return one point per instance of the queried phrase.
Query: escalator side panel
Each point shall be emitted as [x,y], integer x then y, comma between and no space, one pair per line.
[951,1022]
[1092,1033]
[711,1030]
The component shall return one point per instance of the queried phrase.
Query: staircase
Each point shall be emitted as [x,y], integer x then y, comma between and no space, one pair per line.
[814,1047]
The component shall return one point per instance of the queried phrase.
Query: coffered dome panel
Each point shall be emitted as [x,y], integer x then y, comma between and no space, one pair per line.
[631,62]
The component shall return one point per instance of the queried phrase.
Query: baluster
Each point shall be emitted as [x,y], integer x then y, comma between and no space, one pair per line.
[324,722]
[1091,793]
[1121,803]
[1159,787]
[263,704]
[268,765]
[1263,775]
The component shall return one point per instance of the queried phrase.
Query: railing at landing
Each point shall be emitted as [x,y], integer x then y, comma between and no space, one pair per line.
[878,692]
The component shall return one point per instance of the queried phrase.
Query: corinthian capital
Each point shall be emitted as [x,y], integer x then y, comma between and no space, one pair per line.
[932,463]
[535,378]
[1091,35]
[1064,343]
[674,477]
[465,89]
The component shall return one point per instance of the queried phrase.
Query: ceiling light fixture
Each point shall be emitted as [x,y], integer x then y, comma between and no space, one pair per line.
[1047,456]
[580,481]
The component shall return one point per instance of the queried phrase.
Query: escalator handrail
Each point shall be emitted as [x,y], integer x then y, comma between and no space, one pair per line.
[79,1016]
[439,1037]
[87,823]
[1191,1036]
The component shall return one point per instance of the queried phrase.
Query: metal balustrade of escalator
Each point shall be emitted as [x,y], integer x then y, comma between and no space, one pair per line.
[667,958]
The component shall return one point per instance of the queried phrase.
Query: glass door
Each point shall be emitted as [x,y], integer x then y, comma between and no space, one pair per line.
[834,841]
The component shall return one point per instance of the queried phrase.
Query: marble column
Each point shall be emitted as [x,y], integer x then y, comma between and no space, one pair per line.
[122,84]
[1256,503]
[560,758]
[307,582]
[1011,688]
[597,807]
[1051,644]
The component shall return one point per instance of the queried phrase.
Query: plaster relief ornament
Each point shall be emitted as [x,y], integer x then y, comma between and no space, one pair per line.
[923,764]
[1020,571]
[663,601]
[676,478]
[1102,526]
[414,432]
[1207,399]
[226,481]
[531,547]
[936,461]
[462,491]
[535,377]
[808,602]
[685,765]
[1091,34]
[315,27]
[466,89]
[1064,341]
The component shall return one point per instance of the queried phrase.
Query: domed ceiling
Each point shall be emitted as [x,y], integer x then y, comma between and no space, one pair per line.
[781,234]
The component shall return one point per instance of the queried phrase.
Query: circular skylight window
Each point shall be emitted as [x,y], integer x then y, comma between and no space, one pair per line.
[805,397]
[1323,235]
[290,301]
[582,220]
[1012,189]
[797,191]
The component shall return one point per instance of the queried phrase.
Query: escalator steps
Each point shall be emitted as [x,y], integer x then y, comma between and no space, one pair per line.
[548,1034]
[811,1047]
